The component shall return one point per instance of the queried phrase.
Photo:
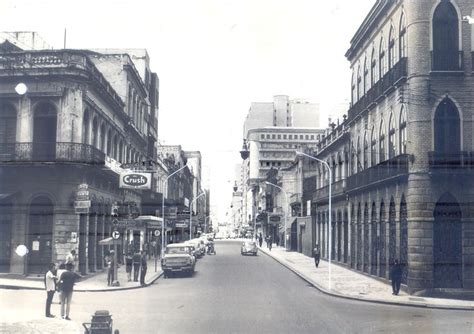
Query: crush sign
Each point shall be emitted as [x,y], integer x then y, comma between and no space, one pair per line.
[134,180]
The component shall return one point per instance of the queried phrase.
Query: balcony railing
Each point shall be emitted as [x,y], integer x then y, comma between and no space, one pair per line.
[395,167]
[377,91]
[451,161]
[51,152]
[447,60]
[338,188]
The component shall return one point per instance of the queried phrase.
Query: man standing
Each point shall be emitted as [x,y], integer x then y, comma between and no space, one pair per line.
[143,268]
[71,258]
[66,286]
[260,239]
[270,242]
[110,268]
[396,275]
[136,266]
[317,255]
[50,285]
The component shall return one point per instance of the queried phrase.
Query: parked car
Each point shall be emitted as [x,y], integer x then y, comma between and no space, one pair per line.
[248,247]
[178,258]
[198,249]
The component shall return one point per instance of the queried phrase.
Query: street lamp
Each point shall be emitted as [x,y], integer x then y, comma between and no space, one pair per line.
[298,153]
[286,198]
[190,214]
[163,208]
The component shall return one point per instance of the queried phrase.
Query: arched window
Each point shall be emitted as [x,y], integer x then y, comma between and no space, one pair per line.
[402,37]
[382,156]
[109,143]
[366,151]
[403,131]
[95,132]
[366,77]
[373,151]
[391,138]
[373,68]
[359,165]
[353,89]
[130,100]
[382,59]
[7,124]
[86,128]
[447,133]
[446,55]
[391,48]
[102,138]
[359,85]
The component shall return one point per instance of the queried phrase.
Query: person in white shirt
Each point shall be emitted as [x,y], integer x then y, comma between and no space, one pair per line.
[50,285]
[71,258]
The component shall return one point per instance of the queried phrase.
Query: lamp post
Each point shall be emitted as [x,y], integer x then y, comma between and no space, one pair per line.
[163,209]
[298,153]
[191,213]
[286,198]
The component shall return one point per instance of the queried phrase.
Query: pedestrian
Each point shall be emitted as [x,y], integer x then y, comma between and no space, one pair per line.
[110,261]
[270,242]
[66,286]
[136,265]
[59,272]
[153,248]
[316,255]
[71,258]
[260,239]
[396,275]
[277,240]
[50,286]
[143,268]
[129,264]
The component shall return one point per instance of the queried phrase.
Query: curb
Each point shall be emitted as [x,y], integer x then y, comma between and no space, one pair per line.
[375,301]
[18,287]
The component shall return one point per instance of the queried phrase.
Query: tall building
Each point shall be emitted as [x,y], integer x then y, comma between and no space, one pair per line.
[402,161]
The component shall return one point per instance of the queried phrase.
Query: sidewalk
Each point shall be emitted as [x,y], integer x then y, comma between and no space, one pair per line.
[94,282]
[347,283]
[43,325]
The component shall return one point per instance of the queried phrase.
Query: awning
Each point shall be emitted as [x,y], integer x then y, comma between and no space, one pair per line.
[106,241]
[150,221]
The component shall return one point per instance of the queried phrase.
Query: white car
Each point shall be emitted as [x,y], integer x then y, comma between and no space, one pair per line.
[177,258]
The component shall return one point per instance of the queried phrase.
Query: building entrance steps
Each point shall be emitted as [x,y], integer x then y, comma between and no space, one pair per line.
[90,283]
[350,284]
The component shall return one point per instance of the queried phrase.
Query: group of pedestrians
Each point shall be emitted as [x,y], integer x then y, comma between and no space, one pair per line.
[138,262]
[268,240]
[62,280]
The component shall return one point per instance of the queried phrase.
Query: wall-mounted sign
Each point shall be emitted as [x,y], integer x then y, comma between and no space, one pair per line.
[73,236]
[35,246]
[132,180]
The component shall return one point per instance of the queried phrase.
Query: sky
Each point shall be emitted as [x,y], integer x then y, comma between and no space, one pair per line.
[213,58]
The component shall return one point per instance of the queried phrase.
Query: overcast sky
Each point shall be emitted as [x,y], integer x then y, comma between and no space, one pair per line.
[213,57]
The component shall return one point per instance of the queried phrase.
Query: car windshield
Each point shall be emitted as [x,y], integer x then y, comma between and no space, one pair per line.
[177,250]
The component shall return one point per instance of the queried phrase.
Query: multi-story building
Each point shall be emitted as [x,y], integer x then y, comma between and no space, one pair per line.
[78,116]
[402,161]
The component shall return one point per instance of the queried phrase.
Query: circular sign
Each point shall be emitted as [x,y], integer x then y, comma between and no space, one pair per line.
[157,233]
[115,235]
[115,221]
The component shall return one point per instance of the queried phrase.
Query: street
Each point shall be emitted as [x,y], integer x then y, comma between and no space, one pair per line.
[230,293]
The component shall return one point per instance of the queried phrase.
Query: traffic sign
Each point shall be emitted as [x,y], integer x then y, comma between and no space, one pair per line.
[115,235]
[157,233]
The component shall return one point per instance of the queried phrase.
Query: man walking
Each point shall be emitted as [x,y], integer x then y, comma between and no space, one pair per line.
[136,266]
[396,275]
[50,285]
[260,239]
[317,255]
[270,242]
[143,268]
[71,258]
[66,286]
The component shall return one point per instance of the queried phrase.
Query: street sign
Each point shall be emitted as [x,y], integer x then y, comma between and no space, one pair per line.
[115,235]
[115,221]
[157,233]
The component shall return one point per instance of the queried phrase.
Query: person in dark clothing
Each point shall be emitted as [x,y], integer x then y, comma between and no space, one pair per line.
[277,240]
[136,266]
[260,239]
[316,255]
[110,268]
[396,275]
[66,286]
[50,286]
[143,265]
[270,242]
[128,265]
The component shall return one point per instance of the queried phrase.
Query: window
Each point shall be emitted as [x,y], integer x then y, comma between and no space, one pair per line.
[290,136]
[7,124]
[382,59]
[273,136]
[262,136]
[366,75]
[373,68]
[353,90]
[279,136]
[447,128]
[446,56]
[359,166]
[403,132]
[366,151]
[306,137]
[359,85]
[312,137]
[301,137]
[373,150]
[402,37]
[284,136]
[391,48]
[382,143]
[268,136]
[391,138]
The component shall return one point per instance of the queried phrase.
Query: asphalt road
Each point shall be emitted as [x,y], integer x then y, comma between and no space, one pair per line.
[230,293]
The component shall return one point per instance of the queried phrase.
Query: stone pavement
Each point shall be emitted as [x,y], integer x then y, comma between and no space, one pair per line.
[93,282]
[41,325]
[350,284]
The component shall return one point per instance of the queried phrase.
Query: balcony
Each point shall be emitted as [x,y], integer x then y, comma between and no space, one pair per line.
[51,152]
[379,89]
[338,188]
[447,61]
[387,170]
[450,161]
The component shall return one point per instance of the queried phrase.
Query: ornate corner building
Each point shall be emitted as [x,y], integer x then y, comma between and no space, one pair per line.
[402,161]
